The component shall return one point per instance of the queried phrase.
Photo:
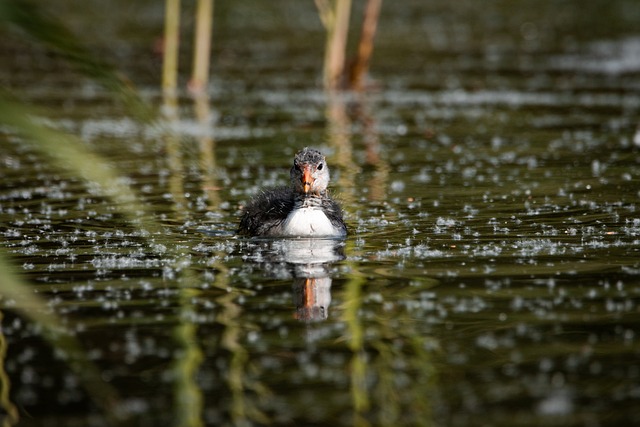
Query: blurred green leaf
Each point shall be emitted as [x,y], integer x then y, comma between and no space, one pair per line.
[30,17]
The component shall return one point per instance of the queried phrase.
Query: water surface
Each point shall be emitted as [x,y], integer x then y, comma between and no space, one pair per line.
[491,275]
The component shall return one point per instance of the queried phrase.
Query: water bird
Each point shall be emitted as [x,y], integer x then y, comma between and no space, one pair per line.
[303,209]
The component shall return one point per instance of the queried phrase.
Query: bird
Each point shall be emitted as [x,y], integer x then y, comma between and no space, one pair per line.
[303,209]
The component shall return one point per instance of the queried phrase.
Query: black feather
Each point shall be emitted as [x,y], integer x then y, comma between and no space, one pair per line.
[266,211]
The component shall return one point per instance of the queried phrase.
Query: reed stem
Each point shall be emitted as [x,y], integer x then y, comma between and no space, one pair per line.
[171,46]
[335,17]
[202,47]
[365,47]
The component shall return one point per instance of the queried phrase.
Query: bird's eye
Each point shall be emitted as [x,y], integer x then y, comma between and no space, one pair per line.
[320,166]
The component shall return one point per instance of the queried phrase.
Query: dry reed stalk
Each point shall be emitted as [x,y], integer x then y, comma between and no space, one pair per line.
[171,46]
[335,17]
[365,47]
[202,47]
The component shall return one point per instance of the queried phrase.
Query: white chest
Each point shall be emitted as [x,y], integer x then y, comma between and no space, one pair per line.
[308,222]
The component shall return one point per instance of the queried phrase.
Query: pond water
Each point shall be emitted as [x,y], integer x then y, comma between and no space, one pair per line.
[491,182]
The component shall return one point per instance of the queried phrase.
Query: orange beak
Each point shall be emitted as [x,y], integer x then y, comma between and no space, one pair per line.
[307,179]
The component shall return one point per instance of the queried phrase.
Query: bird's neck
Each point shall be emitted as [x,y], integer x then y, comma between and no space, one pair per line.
[309,200]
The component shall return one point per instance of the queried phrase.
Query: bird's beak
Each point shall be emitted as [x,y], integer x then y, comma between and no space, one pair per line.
[307,179]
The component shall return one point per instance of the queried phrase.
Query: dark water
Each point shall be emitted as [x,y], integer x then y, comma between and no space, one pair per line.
[491,182]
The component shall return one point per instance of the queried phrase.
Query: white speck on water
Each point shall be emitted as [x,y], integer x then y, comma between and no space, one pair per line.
[423,176]
[636,138]
[558,402]
[145,285]
[445,222]
[124,262]
[596,167]
[487,341]
[606,57]
[397,186]
[423,251]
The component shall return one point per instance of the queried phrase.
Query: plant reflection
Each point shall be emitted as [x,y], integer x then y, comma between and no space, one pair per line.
[382,394]
[343,111]
[339,136]
[188,358]
[11,418]
[352,304]
[243,409]
[208,163]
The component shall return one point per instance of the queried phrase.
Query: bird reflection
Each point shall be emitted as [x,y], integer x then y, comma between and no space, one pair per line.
[309,261]
[312,296]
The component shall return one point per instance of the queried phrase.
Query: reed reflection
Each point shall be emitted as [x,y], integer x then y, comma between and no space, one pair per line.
[12,416]
[345,112]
